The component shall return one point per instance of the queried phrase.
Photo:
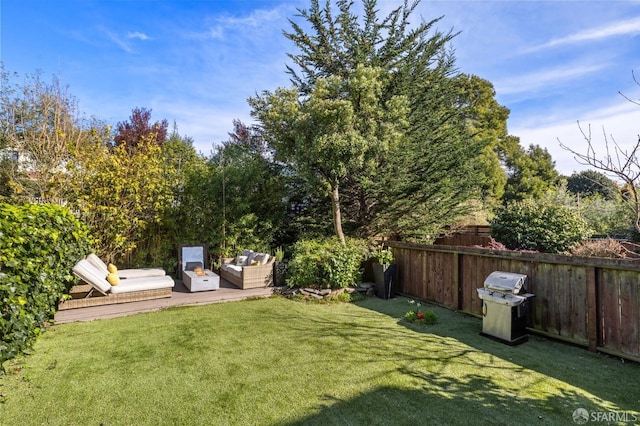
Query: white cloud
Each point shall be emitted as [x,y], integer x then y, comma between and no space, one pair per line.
[138,35]
[206,124]
[532,82]
[255,19]
[212,32]
[216,32]
[619,123]
[217,26]
[118,41]
[619,28]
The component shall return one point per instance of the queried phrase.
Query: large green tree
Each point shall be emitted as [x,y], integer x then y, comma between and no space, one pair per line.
[428,182]
[356,76]
[235,199]
[486,122]
[337,129]
[531,172]
[159,239]
[118,194]
[591,182]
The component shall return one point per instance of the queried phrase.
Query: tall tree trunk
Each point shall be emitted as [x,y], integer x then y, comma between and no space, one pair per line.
[337,215]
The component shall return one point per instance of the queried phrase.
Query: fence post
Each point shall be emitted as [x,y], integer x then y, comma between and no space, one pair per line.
[455,275]
[593,313]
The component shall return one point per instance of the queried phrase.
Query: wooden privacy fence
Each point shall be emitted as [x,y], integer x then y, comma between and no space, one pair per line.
[592,302]
[471,235]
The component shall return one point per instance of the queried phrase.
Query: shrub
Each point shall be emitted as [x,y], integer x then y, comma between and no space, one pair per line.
[605,216]
[606,247]
[39,244]
[537,225]
[325,263]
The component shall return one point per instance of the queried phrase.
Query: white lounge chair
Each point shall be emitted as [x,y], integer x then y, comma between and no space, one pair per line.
[98,291]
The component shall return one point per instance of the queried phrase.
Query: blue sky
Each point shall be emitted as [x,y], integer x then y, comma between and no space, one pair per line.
[553,63]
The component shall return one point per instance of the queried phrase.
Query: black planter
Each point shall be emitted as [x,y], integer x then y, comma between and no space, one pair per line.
[279,273]
[385,278]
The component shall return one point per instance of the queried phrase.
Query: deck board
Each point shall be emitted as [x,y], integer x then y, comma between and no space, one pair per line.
[179,297]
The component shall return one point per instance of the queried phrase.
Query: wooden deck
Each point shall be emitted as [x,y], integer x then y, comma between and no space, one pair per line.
[179,297]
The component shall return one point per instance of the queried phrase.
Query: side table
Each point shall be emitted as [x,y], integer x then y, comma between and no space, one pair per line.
[194,282]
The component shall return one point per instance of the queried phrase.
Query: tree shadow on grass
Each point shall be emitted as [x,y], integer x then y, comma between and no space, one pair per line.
[611,382]
[441,401]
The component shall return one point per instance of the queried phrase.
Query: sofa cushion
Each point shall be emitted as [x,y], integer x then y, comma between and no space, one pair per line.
[261,258]
[232,269]
[241,260]
[252,257]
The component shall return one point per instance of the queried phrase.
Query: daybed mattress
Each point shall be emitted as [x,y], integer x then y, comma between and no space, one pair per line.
[125,273]
[140,273]
[139,284]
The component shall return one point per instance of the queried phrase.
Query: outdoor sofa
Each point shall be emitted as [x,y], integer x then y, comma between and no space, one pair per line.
[97,291]
[248,270]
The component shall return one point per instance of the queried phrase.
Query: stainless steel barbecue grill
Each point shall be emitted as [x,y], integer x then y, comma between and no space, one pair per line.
[505,305]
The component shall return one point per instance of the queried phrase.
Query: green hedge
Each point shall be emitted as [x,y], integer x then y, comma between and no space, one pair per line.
[39,244]
[326,263]
[538,225]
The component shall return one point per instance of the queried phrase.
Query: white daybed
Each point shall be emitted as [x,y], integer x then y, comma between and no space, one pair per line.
[98,291]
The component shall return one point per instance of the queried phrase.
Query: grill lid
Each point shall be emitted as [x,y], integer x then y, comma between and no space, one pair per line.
[505,282]
[500,298]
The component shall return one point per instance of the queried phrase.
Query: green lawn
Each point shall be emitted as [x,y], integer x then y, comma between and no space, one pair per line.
[279,362]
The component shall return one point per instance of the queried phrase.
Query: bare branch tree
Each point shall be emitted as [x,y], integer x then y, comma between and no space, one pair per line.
[616,162]
[42,122]
[626,97]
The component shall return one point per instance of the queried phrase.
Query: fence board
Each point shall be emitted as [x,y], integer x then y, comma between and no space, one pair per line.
[620,312]
[469,301]
[609,308]
[629,310]
[593,335]
[577,284]
[469,236]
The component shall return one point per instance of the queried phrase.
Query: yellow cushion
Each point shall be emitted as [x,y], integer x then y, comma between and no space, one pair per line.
[113,278]
[112,268]
[254,263]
